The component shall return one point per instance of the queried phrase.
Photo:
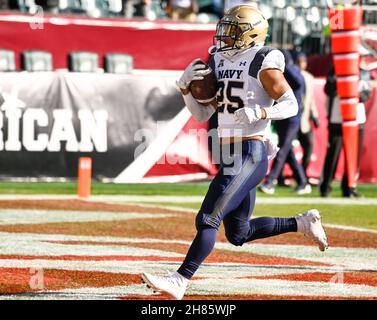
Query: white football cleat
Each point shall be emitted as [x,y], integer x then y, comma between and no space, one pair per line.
[309,223]
[267,188]
[307,189]
[174,284]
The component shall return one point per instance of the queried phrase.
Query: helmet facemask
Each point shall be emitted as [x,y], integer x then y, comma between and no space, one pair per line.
[230,35]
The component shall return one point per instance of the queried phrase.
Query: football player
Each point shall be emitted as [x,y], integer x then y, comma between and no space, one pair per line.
[252,92]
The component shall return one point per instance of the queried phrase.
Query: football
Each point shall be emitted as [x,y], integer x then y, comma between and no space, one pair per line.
[204,90]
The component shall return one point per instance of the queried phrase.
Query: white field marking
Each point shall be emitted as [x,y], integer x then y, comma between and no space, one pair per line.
[62,237]
[261,200]
[33,244]
[24,216]
[207,270]
[14,216]
[102,293]
[39,248]
[353,258]
[212,286]
[159,206]
[193,199]
[342,227]
[280,288]
[38,197]
[228,272]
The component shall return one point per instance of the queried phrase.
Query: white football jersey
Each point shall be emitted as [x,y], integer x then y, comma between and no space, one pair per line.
[239,87]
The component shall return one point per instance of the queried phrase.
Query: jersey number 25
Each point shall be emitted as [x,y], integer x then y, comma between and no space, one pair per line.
[225,91]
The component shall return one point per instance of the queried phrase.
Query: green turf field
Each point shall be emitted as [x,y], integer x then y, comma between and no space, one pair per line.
[179,189]
[362,216]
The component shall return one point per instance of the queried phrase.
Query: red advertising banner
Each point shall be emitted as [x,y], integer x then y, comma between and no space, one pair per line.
[162,45]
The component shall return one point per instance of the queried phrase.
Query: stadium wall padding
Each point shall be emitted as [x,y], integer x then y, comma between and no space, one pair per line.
[42,133]
[163,45]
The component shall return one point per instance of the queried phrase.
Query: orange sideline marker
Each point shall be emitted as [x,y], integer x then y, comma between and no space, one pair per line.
[84,177]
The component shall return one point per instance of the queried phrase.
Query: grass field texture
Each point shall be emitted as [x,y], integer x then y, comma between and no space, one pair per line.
[177,189]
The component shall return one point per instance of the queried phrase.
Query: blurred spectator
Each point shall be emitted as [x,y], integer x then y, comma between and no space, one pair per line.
[287,131]
[11,4]
[215,7]
[136,8]
[182,10]
[48,5]
[309,113]
[4,5]
[335,135]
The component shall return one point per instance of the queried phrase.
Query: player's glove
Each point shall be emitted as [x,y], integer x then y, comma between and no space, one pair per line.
[248,115]
[194,71]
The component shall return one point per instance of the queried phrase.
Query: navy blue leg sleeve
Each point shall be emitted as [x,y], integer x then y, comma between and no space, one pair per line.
[240,229]
[264,227]
[231,197]
[200,249]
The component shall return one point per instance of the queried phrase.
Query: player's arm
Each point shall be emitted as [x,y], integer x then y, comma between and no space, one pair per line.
[277,87]
[195,71]
[272,79]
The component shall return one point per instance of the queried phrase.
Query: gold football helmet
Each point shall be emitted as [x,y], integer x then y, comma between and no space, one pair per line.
[242,27]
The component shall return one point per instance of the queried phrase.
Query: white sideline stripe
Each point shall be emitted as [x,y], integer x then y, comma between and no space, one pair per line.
[350,228]
[194,199]
[144,162]
[190,199]
[17,216]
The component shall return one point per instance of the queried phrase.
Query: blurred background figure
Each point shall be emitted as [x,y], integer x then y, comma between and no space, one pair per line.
[4,5]
[231,3]
[335,136]
[215,7]
[51,6]
[309,113]
[287,131]
[136,8]
[182,10]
